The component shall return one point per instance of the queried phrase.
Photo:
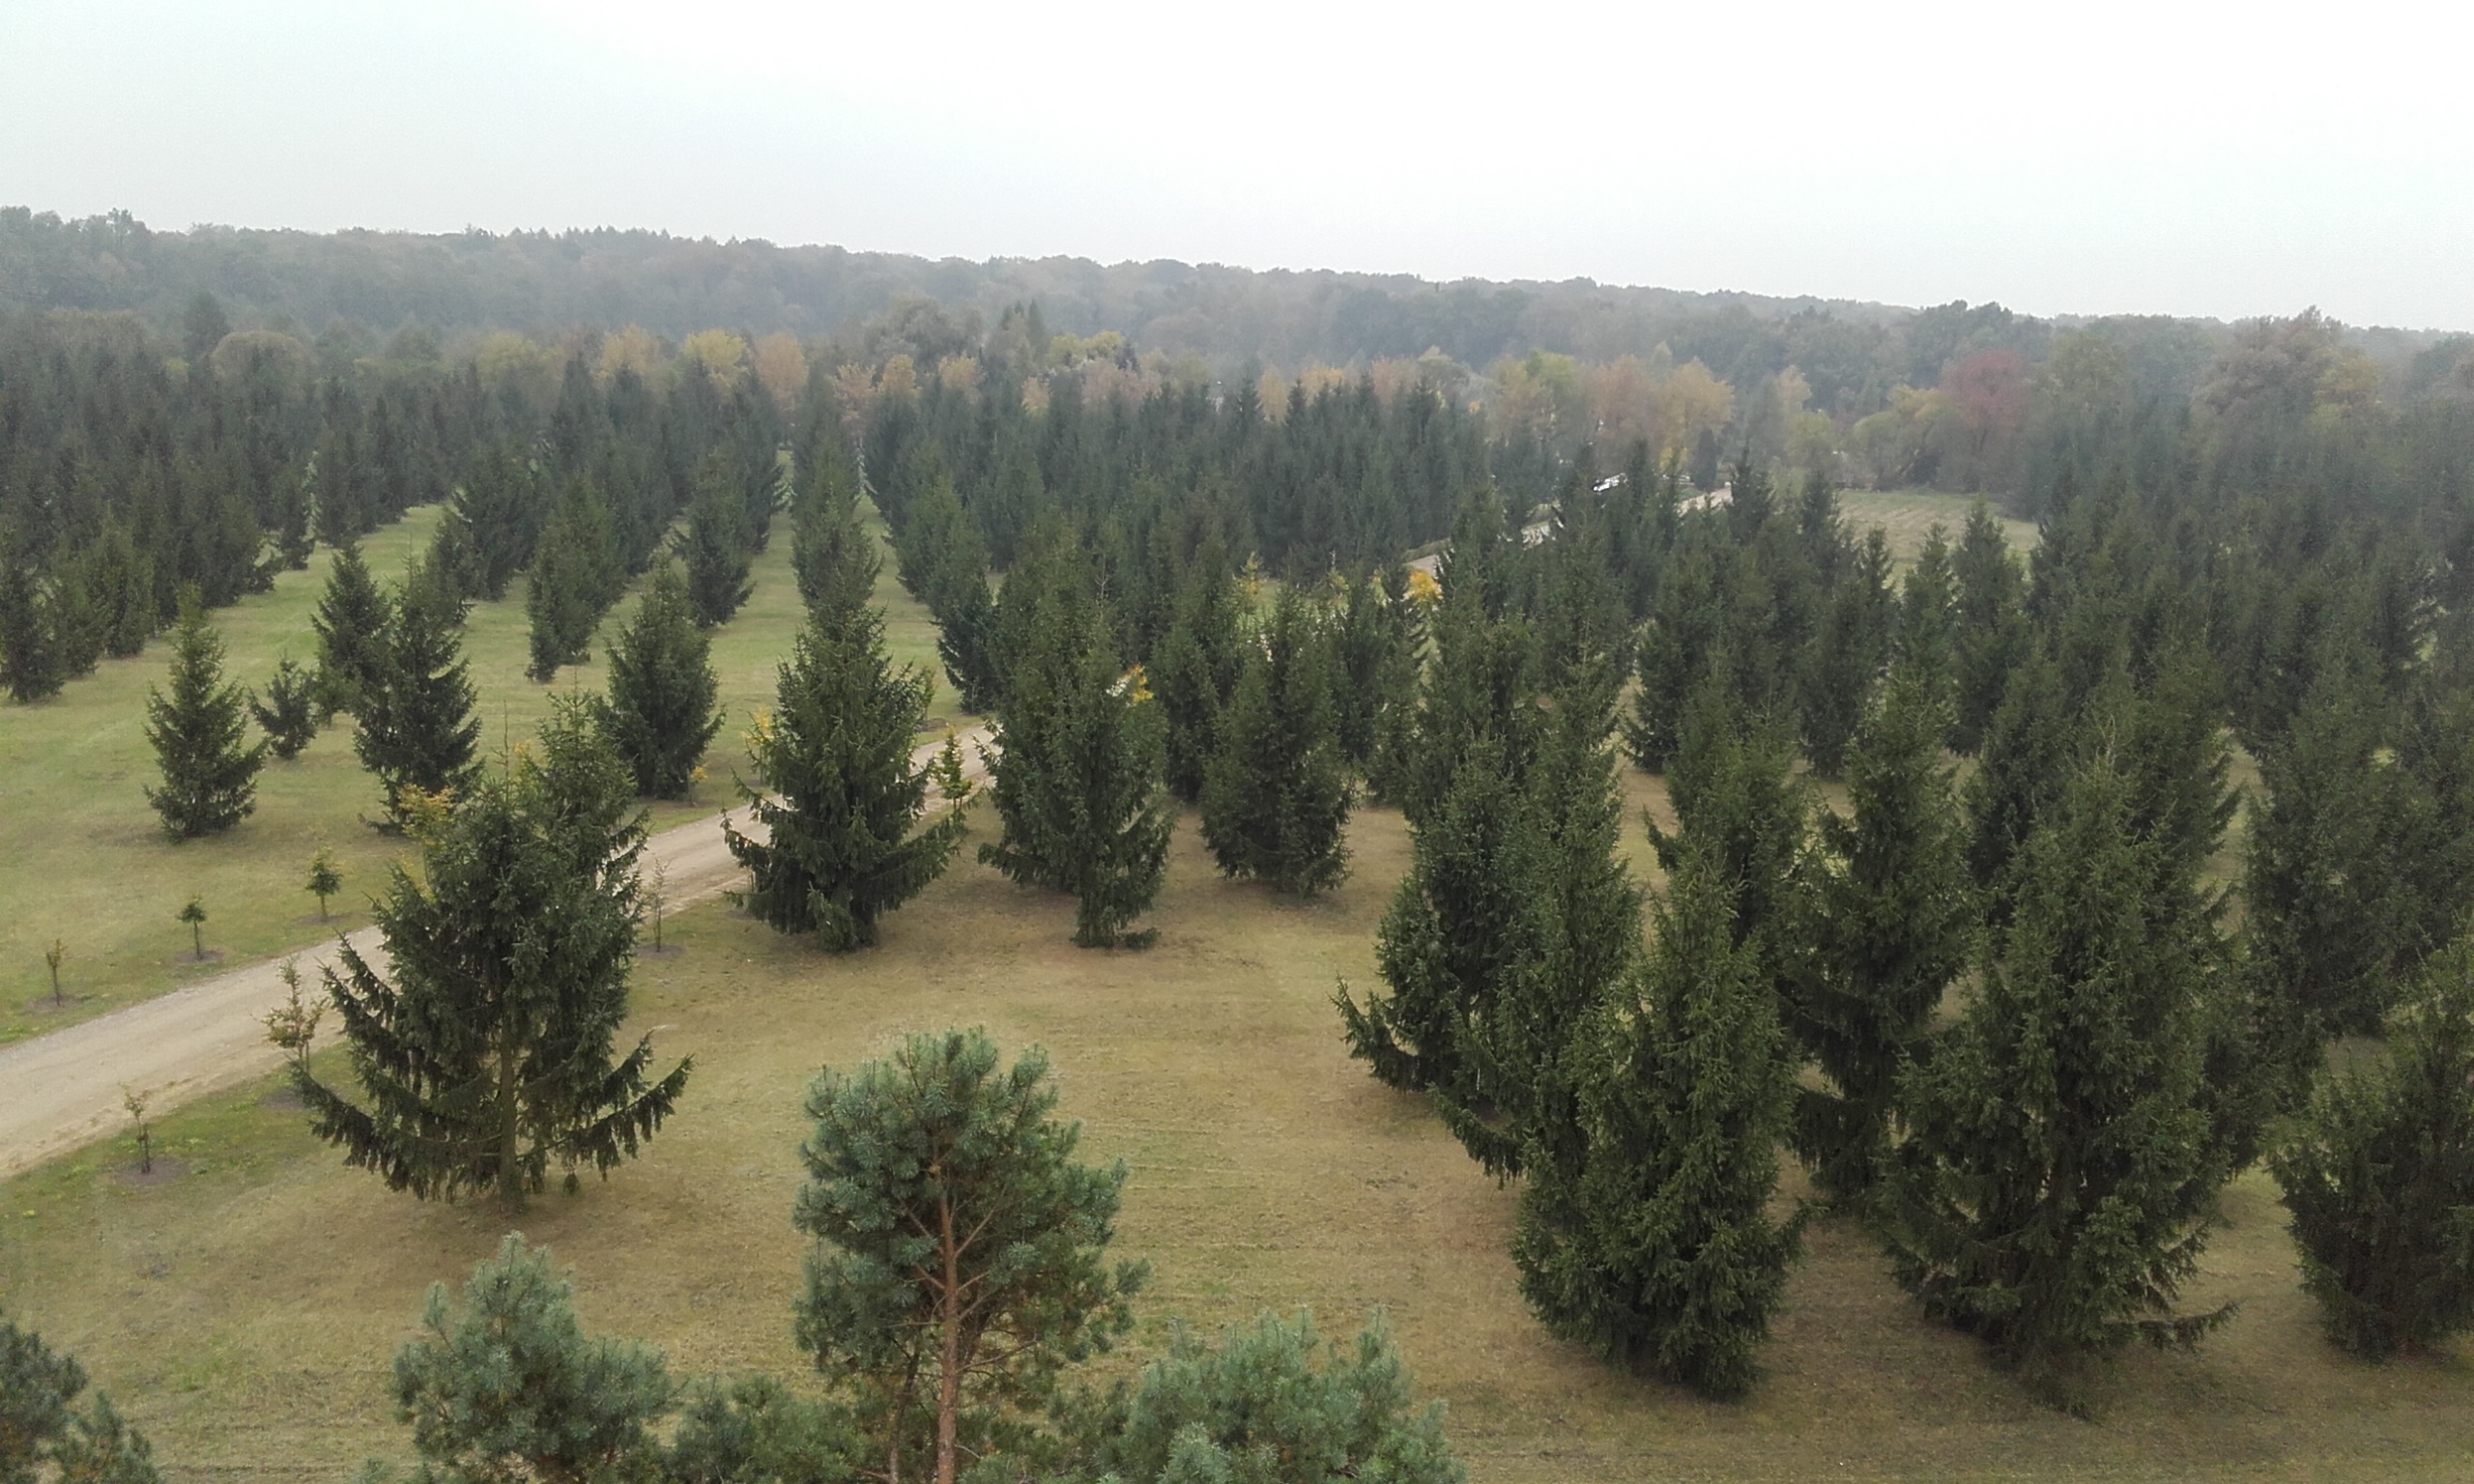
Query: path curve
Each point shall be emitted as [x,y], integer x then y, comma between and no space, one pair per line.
[64,1091]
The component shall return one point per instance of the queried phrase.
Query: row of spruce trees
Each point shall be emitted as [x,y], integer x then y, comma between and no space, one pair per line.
[1993,1004]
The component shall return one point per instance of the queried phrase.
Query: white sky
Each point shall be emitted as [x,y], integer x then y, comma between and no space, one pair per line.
[2096,156]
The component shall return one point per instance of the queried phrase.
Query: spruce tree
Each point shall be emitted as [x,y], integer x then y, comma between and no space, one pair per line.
[210,773]
[418,730]
[31,663]
[959,1259]
[832,551]
[844,841]
[576,576]
[2053,1191]
[663,706]
[120,588]
[288,712]
[717,549]
[1734,791]
[1276,805]
[2024,757]
[502,505]
[1465,923]
[1991,635]
[484,1058]
[1928,619]
[2378,1173]
[1655,1247]
[1194,669]
[2329,914]
[1078,780]
[1893,918]
[1844,664]
[1687,624]
[352,621]
[1517,1106]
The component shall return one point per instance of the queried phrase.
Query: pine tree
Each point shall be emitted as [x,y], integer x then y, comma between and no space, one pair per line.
[844,844]
[1077,777]
[662,710]
[576,576]
[485,1057]
[1276,807]
[2053,1191]
[1893,917]
[418,730]
[288,713]
[38,1425]
[832,551]
[960,1258]
[31,664]
[1657,1247]
[511,1387]
[717,548]
[210,774]
[354,622]
[2379,1175]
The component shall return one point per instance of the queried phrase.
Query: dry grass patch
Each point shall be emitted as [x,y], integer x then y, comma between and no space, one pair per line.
[246,1313]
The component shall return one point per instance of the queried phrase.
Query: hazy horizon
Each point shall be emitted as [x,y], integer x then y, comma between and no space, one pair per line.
[2115,160]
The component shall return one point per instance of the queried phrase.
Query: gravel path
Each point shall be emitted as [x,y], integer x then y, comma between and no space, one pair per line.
[64,1091]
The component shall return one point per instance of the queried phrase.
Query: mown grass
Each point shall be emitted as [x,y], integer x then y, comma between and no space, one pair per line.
[245,1312]
[84,861]
[1907,516]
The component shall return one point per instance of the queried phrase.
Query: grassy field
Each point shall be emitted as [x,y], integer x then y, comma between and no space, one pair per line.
[82,856]
[246,1308]
[1906,516]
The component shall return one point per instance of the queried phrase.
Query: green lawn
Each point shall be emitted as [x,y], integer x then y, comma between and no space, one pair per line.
[244,1310]
[82,857]
[1906,515]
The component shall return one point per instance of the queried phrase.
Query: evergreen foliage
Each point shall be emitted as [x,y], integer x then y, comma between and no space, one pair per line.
[2378,1173]
[32,661]
[663,708]
[2022,759]
[1272,1403]
[717,549]
[1893,924]
[485,1057]
[1381,641]
[2053,1191]
[39,1424]
[960,1258]
[576,576]
[1654,1246]
[210,772]
[832,551]
[501,508]
[1194,669]
[1991,635]
[353,623]
[1845,663]
[1077,777]
[418,730]
[1275,803]
[844,841]
[508,1387]
[288,712]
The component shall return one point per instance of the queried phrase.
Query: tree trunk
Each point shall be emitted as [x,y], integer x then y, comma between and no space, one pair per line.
[949,1385]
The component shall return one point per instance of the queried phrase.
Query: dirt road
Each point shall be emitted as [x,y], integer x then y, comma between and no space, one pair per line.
[64,1091]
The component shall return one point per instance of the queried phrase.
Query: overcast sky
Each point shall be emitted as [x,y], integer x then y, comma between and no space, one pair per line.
[2096,156]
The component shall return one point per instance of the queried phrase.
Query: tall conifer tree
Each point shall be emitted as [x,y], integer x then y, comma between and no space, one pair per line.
[1276,805]
[576,576]
[353,622]
[485,1057]
[832,551]
[1893,918]
[2053,1191]
[417,726]
[663,708]
[210,773]
[1655,1247]
[717,549]
[1078,779]
[844,841]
